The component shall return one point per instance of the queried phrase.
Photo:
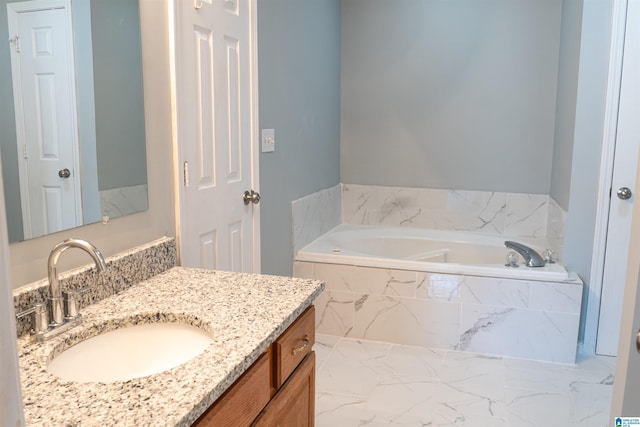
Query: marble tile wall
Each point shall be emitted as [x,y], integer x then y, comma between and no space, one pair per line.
[509,214]
[555,227]
[503,317]
[124,270]
[124,201]
[315,214]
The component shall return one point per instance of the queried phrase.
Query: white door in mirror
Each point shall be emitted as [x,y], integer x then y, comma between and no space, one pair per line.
[44,94]
[132,352]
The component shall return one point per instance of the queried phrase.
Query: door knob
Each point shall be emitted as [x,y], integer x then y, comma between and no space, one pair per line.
[64,173]
[624,193]
[251,197]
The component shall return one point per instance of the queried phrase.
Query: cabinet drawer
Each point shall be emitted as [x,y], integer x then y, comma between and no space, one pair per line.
[294,344]
[244,400]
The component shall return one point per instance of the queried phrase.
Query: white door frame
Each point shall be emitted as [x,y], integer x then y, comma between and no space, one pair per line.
[11,412]
[175,39]
[606,175]
[13,9]
[255,128]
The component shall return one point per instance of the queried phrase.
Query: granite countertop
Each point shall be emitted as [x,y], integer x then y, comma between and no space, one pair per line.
[245,313]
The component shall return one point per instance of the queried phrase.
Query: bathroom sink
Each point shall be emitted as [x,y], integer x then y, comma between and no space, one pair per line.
[131,352]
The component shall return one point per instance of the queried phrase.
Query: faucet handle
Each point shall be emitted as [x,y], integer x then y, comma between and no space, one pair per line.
[70,304]
[512,259]
[40,316]
[549,256]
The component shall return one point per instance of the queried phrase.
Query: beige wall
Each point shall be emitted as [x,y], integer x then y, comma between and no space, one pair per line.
[28,259]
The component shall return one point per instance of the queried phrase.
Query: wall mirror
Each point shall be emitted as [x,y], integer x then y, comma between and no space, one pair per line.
[72,124]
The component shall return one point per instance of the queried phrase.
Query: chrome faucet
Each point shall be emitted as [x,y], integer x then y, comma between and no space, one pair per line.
[64,314]
[531,257]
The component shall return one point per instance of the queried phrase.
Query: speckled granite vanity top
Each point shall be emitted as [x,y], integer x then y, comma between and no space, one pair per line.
[244,313]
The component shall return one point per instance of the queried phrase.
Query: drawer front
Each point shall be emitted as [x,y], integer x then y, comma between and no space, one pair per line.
[294,344]
[244,400]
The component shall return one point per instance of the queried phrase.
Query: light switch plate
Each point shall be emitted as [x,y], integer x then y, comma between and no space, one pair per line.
[268,140]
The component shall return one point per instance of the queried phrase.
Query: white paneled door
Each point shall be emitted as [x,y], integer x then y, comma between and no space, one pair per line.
[626,390]
[44,98]
[623,189]
[215,122]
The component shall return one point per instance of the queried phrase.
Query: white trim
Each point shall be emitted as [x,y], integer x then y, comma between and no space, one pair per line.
[255,130]
[11,402]
[606,175]
[174,39]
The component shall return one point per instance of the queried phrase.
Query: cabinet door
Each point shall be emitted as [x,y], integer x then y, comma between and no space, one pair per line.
[294,404]
[244,400]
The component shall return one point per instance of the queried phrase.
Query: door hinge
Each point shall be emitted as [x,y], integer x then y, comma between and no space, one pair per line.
[16,43]
[185,175]
[25,154]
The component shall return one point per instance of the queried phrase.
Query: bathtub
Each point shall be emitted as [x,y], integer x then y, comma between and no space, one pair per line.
[435,251]
[441,289]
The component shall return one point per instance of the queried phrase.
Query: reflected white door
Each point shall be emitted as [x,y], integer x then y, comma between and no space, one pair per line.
[44,98]
[624,176]
[215,131]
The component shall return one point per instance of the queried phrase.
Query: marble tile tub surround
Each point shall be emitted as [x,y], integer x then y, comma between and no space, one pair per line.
[503,317]
[123,271]
[555,227]
[245,313]
[509,214]
[123,201]
[315,214]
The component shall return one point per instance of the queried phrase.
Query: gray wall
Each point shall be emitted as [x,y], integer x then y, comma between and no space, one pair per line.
[587,145]
[118,93]
[566,101]
[83,49]
[299,85]
[449,94]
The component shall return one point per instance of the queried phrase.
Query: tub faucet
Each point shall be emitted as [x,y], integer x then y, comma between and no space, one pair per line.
[531,257]
[69,316]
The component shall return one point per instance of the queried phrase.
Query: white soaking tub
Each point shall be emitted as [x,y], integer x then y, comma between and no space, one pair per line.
[436,251]
[442,289]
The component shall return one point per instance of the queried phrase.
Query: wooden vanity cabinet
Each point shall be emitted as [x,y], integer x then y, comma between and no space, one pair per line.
[278,389]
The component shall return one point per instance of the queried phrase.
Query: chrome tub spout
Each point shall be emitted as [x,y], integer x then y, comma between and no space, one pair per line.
[531,257]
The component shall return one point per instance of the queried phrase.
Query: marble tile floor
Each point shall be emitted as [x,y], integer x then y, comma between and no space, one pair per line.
[369,383]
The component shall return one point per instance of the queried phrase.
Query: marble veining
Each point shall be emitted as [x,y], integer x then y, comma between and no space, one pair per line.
[244,313]
[122,201]
[315,214]
[372,383]
[484,324]
[510,214]
[507,317]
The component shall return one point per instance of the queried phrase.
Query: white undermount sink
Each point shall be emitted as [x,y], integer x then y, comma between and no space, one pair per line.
[131,352]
